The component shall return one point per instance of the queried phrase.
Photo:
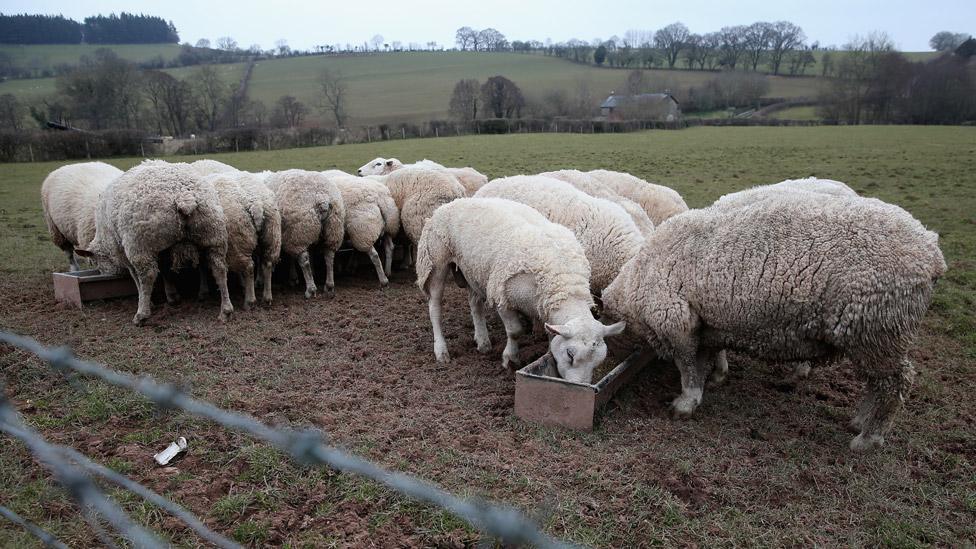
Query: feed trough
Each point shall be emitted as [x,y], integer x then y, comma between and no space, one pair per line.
[541,396]
[77,287]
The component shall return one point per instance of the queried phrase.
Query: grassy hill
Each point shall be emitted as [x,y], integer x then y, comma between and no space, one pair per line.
[47,56]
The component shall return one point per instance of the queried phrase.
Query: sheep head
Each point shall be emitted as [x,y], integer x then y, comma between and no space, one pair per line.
[578,346]
[379,166]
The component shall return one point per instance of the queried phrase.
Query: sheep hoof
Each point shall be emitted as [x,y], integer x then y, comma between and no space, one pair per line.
[139,319]
[855,426]
[683,407]
[862,443]
[267,302]
[173,299]
[329,292]
[510,362]
[309,292]
[442,355]
[716,380]
[484,346]
[247,305]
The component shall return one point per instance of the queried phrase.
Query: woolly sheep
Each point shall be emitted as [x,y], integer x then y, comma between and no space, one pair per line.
[746,197]
[370,214]
[793,277]
[469,178]
[154,207]
[608,235]
[206,167]
[312,212]
[253,228]
[594,188]
[515,260]
[658,201]
[69,198]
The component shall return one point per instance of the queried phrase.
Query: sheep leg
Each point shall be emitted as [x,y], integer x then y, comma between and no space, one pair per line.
[248,279]
[267,267]
[330,272]
[695,364]
[72,260]
[478,314]
[169,285]
[721,371]
[407,259]
[378,265]
[885,395]
[388,255]
[144,273]
[306,264]
[293,272]
[435,294]
[218,267]
[203,290]
[513,329]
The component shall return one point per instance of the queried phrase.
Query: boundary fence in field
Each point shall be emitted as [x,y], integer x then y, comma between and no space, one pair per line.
[73,470]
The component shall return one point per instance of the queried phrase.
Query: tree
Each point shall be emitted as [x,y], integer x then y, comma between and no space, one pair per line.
[600,55]
[465,99]
[491,40]
[464,37]
[671,39]
[785,37]
[289,111]
[105,91]
[212,94]
[636,38]
[203,43]
[227,43]
[11,112]
[376,41]
[281,47]
[332,86]
[502,98]
[947,41]
[757,38]
[731,45]
[845,98]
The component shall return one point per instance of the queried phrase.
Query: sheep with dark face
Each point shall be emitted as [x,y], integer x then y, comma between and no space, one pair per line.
[792,277]
[469,178]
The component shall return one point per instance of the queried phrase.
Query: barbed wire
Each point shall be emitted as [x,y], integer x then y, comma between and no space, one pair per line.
[306,446]
[38,532]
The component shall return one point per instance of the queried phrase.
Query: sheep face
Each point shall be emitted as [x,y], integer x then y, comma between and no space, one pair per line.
[106,262]
[579,348]
[379,166]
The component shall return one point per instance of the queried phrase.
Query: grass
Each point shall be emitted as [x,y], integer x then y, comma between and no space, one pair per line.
[638,479]
[39,57]
[797,113]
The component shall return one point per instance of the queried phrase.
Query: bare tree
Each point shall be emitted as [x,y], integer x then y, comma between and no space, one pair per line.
[465,99]
[846,96]
[492,40]
[376,41]
[757,38]
[203,43]
[637,82]
[785,37]
[332,86]
[289,111]
[637,38]
[502,97]
[711,42]
[586,102]
[212,95]
[947,41]
[227,43]
[464,37]
[11,112]
[281,47]
[731,45]
[671,39]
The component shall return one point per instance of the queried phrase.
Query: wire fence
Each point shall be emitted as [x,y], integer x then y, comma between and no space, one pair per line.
[306,446]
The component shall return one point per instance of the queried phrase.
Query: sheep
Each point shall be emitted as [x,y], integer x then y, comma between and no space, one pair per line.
[370,214]
[206,167]
[746,197]
[469,178]
[608,235]
[69,198]
[253,228]
[515,260]
[792,277]
[417,193]
[156,207]
[658,201]
[594,188]
[312,211]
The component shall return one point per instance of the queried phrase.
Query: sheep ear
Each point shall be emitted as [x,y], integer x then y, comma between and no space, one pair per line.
[614,329]
[389,163]
[559,329]
[83,253]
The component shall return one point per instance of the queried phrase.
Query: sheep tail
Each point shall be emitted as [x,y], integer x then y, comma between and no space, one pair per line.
[186,203]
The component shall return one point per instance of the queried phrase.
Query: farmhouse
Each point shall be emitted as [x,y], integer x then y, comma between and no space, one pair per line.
[647,106]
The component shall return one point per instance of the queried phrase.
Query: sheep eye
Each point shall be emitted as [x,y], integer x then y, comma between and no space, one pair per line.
[569,353]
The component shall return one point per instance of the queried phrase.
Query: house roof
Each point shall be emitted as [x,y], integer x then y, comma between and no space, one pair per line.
[617,100]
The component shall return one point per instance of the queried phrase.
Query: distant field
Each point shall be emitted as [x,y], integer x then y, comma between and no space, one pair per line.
[797,113]
[48,56]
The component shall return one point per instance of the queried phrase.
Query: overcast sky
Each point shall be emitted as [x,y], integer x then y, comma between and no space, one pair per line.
[910,23]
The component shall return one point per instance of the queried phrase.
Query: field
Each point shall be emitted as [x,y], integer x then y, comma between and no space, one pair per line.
[762,463]
[797,113]
[48,56]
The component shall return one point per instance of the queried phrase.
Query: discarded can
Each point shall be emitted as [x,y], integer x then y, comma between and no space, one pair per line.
[171,451]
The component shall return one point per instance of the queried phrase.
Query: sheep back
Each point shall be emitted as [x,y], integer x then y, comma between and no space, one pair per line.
[69,199]
[658,201]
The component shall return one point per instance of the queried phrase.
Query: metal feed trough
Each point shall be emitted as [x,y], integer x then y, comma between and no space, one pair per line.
[78,287]
[541,396]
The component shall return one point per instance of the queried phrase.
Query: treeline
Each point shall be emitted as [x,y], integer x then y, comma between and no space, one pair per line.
[125,28]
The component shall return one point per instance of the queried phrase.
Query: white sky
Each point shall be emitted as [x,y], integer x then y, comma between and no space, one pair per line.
[307,23]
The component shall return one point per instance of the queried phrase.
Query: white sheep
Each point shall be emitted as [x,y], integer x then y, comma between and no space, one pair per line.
[253,228]
[153,208]
[658,201]
[594,188]
[312,212]
[793,277]
[69,198]
[608,235]
[827,187]
[370,214]
[514,260]
[469,178]
[207,166]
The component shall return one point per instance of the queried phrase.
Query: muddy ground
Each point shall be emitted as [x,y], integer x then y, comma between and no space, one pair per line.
[763,462]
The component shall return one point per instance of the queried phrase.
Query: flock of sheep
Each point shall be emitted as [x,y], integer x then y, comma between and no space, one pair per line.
[803,271]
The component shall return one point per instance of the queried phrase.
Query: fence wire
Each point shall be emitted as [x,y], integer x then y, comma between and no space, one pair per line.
[46,538]
[306,446]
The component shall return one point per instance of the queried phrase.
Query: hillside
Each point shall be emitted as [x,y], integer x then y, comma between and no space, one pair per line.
[48,56]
